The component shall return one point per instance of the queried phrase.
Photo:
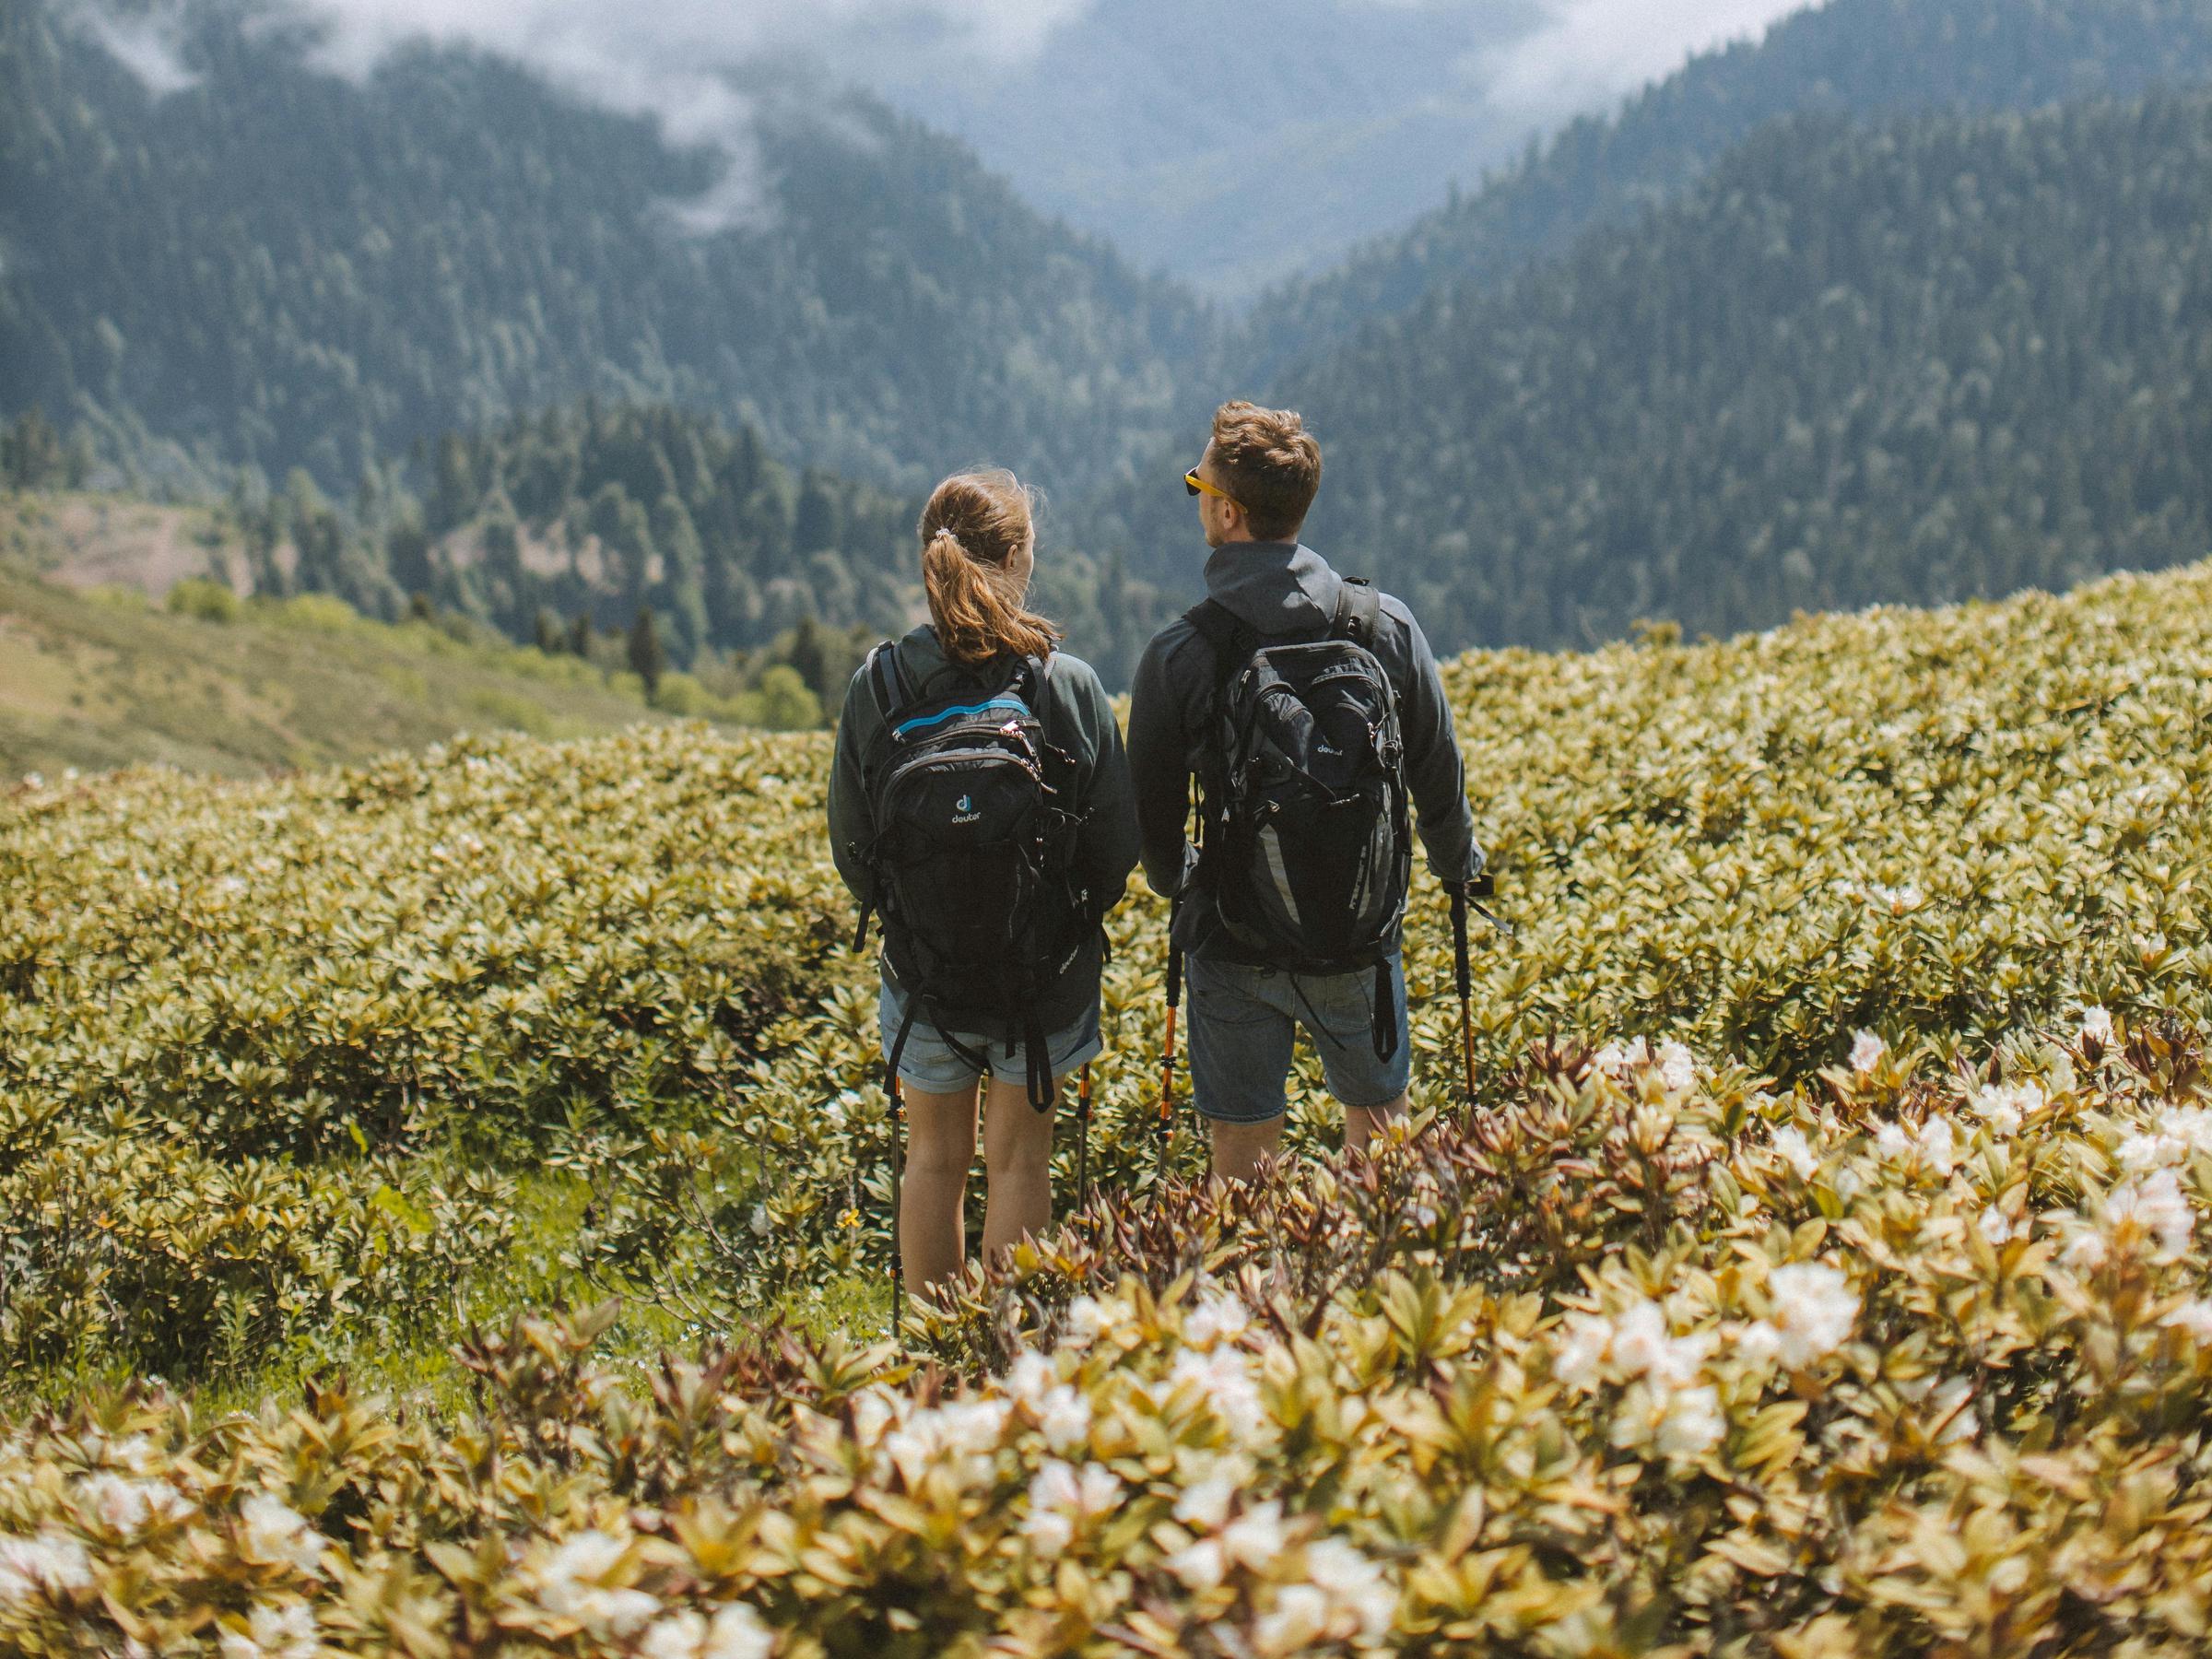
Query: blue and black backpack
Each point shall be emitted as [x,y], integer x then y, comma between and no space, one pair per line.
[972,855]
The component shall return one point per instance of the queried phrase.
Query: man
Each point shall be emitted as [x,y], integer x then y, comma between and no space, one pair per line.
[1255,485]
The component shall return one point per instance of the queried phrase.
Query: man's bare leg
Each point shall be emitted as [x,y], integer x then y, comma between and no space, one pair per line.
[1363,1123]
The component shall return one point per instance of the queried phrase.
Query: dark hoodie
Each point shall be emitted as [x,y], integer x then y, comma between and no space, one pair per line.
[1078,720]
[1279,589]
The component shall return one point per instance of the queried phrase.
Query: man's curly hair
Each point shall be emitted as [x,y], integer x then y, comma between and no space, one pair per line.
[1270,464]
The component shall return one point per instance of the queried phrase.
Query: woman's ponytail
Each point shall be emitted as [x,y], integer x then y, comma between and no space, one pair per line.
[974,528]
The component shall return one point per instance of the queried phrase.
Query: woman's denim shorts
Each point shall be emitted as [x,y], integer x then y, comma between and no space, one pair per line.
[929,1064]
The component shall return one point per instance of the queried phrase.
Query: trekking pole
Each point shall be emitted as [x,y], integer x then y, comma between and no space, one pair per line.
[1464,977]
[1167,1063]
[1083,1139]
[898,1173]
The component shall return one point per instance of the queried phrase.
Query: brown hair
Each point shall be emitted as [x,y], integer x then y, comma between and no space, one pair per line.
[974,526]
[1270,464]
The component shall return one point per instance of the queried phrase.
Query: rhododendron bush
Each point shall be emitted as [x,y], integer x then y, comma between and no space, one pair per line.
[1623,1363]
[1819,1271]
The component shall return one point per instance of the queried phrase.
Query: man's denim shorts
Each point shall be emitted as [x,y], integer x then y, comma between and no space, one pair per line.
[928,1065]
[1242,1021]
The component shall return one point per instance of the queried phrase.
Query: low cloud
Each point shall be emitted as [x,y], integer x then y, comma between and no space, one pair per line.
[149,44]
[1591,51]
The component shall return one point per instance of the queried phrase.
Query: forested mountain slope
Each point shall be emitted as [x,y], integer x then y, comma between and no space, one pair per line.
[1957,356]
[1865,57]
[285,267]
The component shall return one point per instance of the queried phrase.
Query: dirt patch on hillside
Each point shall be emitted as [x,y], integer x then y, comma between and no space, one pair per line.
[90,542]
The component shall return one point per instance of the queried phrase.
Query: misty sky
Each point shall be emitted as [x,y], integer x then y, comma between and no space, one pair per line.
[1229,143]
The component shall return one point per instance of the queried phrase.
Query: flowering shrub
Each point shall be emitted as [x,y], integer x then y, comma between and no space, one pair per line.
[1817,1410]
[1819,1271]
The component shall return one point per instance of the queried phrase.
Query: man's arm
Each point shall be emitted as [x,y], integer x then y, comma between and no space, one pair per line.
[1159,762]
[1435,773]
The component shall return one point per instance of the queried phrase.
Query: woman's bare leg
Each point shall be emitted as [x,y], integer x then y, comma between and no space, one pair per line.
[1018,1153]
[940,1146]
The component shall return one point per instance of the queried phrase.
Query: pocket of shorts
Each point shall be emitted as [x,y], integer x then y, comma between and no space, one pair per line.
[1225,998]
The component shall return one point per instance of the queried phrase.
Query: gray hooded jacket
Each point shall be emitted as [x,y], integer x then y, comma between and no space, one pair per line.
[1277,588]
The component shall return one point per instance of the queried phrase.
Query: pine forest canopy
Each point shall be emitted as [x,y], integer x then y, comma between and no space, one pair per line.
[1851,58]
[1956,355]
[278,265]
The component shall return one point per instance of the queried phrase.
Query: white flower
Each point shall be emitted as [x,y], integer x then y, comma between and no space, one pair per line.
[1204,1503]
[1677,1067]
[1758,1343]
[1867,1051]
[1257,1536]
[1061,1498]
[1217,1316]
[1849,1183]
[734,1632]
[2004,1109]
[1299,1620]
[2179,1132]
[50,1563]
[1222,1379]
[1086,1321]
[1933,1144]
[1579,1360]
[572,1584]
[2154,1205]
[959,1437]
[273,1531]
[2097,1025]
[760,1221]
[1066,1418]
[1794,1150]
[2195,1317]
[1937,1146]
[286,1632]
[1353,1585]
[1201,1566]
[1815,1309]
[1030,1378]
[124,1505]
[1998,1228]
[33,780]
[1693,1422]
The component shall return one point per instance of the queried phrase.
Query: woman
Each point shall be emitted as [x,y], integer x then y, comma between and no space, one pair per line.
[982,664]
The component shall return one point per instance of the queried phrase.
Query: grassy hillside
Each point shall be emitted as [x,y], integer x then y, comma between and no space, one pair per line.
[101,679]
[1820,1248]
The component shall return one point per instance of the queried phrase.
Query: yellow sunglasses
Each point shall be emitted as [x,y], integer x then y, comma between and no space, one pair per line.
[1195,483]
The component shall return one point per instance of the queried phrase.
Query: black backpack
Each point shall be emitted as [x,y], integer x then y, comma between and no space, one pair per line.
[971,857]
[1305,839]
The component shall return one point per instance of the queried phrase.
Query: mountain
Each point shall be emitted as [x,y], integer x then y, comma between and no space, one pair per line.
[1855,57]
[280,266]
[1339,123]
[1954,355]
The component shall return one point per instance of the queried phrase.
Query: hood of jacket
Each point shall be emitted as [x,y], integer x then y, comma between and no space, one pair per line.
[1274,587]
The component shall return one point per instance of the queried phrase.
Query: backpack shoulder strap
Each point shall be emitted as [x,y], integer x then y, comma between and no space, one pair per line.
[1359,612]
[886,679]
[1231,641]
